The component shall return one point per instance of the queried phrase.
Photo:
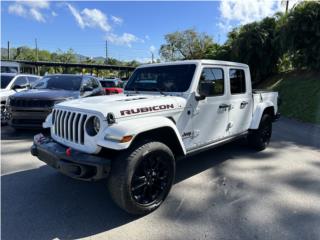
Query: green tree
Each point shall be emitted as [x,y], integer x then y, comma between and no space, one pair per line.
[44,55]
[300,35]
[254,44]
[66,57]
[187,44]
[25,53]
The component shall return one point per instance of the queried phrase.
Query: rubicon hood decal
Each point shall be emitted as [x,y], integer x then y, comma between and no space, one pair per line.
[123,106]
[146,109]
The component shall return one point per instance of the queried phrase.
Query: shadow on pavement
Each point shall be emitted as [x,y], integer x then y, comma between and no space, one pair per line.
[43,204]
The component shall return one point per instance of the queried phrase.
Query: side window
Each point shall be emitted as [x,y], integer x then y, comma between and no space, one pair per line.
[95,83]
[32,79]
[86,84]
[20,81]
[211,82]
[237,81]
[89,84]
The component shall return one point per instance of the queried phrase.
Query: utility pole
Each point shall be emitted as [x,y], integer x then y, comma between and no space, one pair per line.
[37,56]
[286,3]
[106,52]
[8,50]
[152,57]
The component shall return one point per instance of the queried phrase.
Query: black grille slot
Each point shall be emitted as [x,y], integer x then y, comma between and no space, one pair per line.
[84,117]
[77,118]
[69,125]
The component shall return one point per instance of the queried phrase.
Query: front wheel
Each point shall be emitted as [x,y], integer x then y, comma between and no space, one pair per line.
[260,138]
[142,177]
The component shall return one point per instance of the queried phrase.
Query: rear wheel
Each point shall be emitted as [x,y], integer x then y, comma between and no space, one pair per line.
[260,138]
[141,179]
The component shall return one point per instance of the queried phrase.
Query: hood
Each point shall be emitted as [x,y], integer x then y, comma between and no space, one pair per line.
[5,93]
[46,94]
[122,105]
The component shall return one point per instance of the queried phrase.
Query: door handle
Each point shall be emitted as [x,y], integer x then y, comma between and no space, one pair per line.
[243,104]
[224,106]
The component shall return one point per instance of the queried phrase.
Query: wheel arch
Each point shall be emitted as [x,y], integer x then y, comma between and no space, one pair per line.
[161,129]
[261,109]
[166,135]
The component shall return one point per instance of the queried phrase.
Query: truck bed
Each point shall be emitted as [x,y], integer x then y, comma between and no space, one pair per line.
[265,96]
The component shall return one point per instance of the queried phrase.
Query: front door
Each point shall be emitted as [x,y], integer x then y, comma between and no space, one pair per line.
[210,115]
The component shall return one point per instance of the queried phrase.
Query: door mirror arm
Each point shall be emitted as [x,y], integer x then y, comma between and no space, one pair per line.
[200,97]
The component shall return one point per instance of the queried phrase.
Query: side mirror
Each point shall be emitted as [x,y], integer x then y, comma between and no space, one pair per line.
[87,89]
[206,88]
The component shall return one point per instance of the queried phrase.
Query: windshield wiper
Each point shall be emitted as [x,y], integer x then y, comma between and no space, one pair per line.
[160,90]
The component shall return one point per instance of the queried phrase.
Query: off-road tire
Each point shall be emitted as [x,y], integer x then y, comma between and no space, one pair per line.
[124,168]
[259,139]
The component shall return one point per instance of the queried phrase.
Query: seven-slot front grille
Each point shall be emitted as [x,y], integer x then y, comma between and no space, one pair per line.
[69,125]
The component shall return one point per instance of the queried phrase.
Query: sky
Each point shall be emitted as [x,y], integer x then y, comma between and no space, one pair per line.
[133,30]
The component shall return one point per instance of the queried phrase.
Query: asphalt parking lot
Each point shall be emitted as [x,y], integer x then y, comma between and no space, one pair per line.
[230,192]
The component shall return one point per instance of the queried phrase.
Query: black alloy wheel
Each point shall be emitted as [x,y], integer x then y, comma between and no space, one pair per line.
[151,179]
[142,176]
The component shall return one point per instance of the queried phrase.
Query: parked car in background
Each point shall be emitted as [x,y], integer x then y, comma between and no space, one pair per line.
[112,85]
[29,109]
[10,84]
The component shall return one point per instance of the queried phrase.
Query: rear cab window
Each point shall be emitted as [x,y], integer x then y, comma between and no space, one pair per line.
[237,81]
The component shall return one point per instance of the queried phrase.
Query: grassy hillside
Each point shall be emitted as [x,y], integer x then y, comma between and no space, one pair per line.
[300,94]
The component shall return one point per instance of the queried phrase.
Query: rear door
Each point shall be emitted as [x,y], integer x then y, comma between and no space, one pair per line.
[240,95]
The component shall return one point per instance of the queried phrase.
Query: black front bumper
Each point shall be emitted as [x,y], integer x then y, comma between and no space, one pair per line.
[75,164]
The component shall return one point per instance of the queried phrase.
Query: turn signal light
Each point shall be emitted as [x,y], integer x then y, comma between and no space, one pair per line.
[126,139]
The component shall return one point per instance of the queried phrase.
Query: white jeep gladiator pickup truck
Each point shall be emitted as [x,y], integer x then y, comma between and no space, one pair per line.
[167,111]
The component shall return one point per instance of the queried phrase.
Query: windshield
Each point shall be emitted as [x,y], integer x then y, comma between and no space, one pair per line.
[170,78]
[5,80]
[71,83]
[108,84]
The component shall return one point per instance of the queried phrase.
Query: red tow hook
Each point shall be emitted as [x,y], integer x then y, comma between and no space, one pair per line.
[68,152]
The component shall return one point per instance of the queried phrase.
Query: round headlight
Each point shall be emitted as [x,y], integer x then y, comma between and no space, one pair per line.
[93,126]
[96,124]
